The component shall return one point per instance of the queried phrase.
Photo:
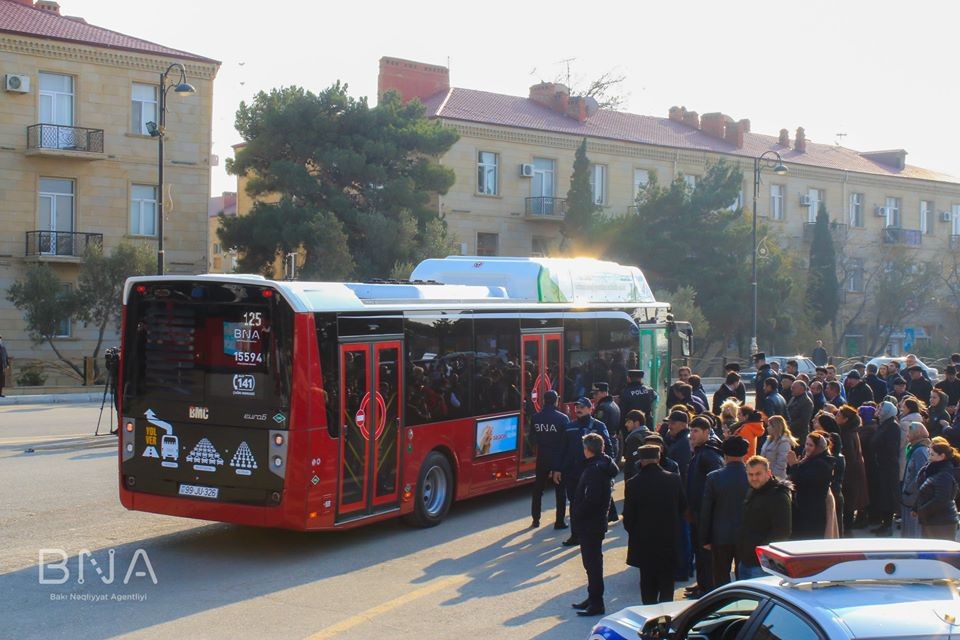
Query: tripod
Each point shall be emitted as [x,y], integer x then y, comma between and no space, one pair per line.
[111,359]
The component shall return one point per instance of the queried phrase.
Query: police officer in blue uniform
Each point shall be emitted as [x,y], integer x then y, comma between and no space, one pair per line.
[638,396]
[549,429]
[573,458]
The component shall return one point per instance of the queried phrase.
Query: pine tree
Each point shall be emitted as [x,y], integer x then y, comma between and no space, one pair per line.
[580,220]
[823,289]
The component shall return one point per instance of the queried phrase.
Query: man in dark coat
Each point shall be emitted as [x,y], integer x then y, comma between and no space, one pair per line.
[886,446]
[636,426]
[950,385]
[638,396]
[706,457]
[819,355]
[877,385]
[919,385]
[773,402]
[590,502]
[674,395]
[766,518]
[608,412]
[732,387]
[652,505]
[722,508]
[764,371]
[857,391]
[799,410]
[677,440]
[549,432]
[573,459]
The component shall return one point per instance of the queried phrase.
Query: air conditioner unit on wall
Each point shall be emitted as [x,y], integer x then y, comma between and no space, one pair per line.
[880,212]
[804,200]
[946,216]
[16,83]
[526,171]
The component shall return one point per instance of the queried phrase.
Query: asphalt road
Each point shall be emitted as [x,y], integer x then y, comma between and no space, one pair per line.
[481,574]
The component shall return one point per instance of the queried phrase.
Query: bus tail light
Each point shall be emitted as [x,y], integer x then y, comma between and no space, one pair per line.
[128,438]
[278,440]
[407,493]
[278,453]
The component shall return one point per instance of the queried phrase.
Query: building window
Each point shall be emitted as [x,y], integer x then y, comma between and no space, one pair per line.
[927,217]
[691,181]
[56,212]
[56,99]
[776,201]
[143,210]
[855,275]
[487,162]
[143,107]
[814,198]
[540,247]
[641,178]
[64,326]
[856,209]
[487,244]
[737,203]
[893,212]
[598,183]
[216,248]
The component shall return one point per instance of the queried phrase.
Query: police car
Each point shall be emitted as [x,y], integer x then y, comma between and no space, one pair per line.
[817,590]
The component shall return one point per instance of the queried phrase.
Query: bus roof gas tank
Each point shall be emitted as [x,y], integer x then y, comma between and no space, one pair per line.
[391,292]
[570,280]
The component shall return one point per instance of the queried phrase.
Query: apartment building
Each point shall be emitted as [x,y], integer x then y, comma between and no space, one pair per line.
[515,155]
[78,164]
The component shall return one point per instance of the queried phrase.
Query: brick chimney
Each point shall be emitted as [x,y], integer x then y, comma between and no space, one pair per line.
[733,134]
[784,140]
[411,79]
[676,114]
[800,144]
[28,3]
[713,124]
[48,5]
[577,108]
[552,95]
[745,125]
[691,118]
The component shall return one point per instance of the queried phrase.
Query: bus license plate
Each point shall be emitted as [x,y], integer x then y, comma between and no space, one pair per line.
[199,492]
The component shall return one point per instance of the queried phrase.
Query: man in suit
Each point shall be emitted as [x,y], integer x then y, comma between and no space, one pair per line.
[590,503]
[652,506]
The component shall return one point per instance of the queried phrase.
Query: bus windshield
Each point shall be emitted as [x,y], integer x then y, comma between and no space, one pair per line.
[220,344]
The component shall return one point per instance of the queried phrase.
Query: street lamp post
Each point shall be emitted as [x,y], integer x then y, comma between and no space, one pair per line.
[770,159]
[157,130]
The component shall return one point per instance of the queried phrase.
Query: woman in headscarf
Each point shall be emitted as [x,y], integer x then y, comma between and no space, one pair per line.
[886,445]
[918,454]
[911,410]
[936,498]
[811,477]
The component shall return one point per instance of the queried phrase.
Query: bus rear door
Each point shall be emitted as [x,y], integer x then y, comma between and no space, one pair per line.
[542,371]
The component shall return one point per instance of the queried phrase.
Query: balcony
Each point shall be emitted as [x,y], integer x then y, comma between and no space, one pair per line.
[64,142]
[896,235]
[545,208]
[838,232]
[60,246]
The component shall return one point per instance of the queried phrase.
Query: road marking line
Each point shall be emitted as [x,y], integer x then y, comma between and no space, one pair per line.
[38,439]
[389,605]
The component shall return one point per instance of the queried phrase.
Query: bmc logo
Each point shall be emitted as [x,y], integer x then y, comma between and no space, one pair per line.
[199,413]
[139,567]
[242,382]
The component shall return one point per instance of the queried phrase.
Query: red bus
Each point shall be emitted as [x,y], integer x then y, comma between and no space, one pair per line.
[326,405]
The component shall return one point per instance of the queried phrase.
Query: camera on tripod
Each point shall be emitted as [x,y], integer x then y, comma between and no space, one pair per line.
[111,359]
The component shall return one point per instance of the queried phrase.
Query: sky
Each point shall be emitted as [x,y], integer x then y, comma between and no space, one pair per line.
[882,73]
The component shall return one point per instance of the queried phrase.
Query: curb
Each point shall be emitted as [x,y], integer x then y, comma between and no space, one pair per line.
[53,398]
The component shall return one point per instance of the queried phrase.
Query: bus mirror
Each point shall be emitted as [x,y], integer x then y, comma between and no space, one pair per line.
[685,339]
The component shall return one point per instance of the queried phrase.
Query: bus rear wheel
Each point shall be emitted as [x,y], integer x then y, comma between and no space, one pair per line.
[434,492]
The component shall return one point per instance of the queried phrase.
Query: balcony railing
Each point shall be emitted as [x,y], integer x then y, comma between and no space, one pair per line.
[838,231]
[67,244]
[955,242]
[62,138]
[896,235]
[546,208]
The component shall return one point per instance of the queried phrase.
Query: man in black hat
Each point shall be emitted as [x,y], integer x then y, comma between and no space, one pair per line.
[652,507]
[573,459]
[763,373]
[638,396]
[857,391]
[899,388]
[549,433]
[722,508]
[589,509]
[950,385]
[919,385]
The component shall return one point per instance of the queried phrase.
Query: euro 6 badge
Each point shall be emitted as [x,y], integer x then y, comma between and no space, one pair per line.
[244,384]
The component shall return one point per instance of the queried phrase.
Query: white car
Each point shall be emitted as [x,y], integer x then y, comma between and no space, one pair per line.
[804,364]
[817,590]
[932,374]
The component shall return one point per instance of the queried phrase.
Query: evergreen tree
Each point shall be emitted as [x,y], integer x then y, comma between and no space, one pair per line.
[823,289]
[581,217]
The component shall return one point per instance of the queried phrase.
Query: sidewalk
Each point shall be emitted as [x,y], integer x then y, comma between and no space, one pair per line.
[56,396]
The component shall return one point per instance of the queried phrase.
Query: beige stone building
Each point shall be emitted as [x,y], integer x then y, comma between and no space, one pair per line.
[78,165]
[515,155]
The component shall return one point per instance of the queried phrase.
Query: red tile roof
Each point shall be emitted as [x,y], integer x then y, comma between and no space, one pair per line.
[469,105]
[28,21]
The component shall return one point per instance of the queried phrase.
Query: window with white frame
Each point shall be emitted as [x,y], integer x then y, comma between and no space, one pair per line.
[893,212]
[814,198]
[641,178]
[56,99]
[856,209]
[487,163]
[927,217]
[143,107]
[598,183]
[143,210]
[776,201]
[855,275]
[691,180]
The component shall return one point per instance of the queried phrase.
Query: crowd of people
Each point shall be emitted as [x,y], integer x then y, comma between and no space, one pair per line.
[811,458]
